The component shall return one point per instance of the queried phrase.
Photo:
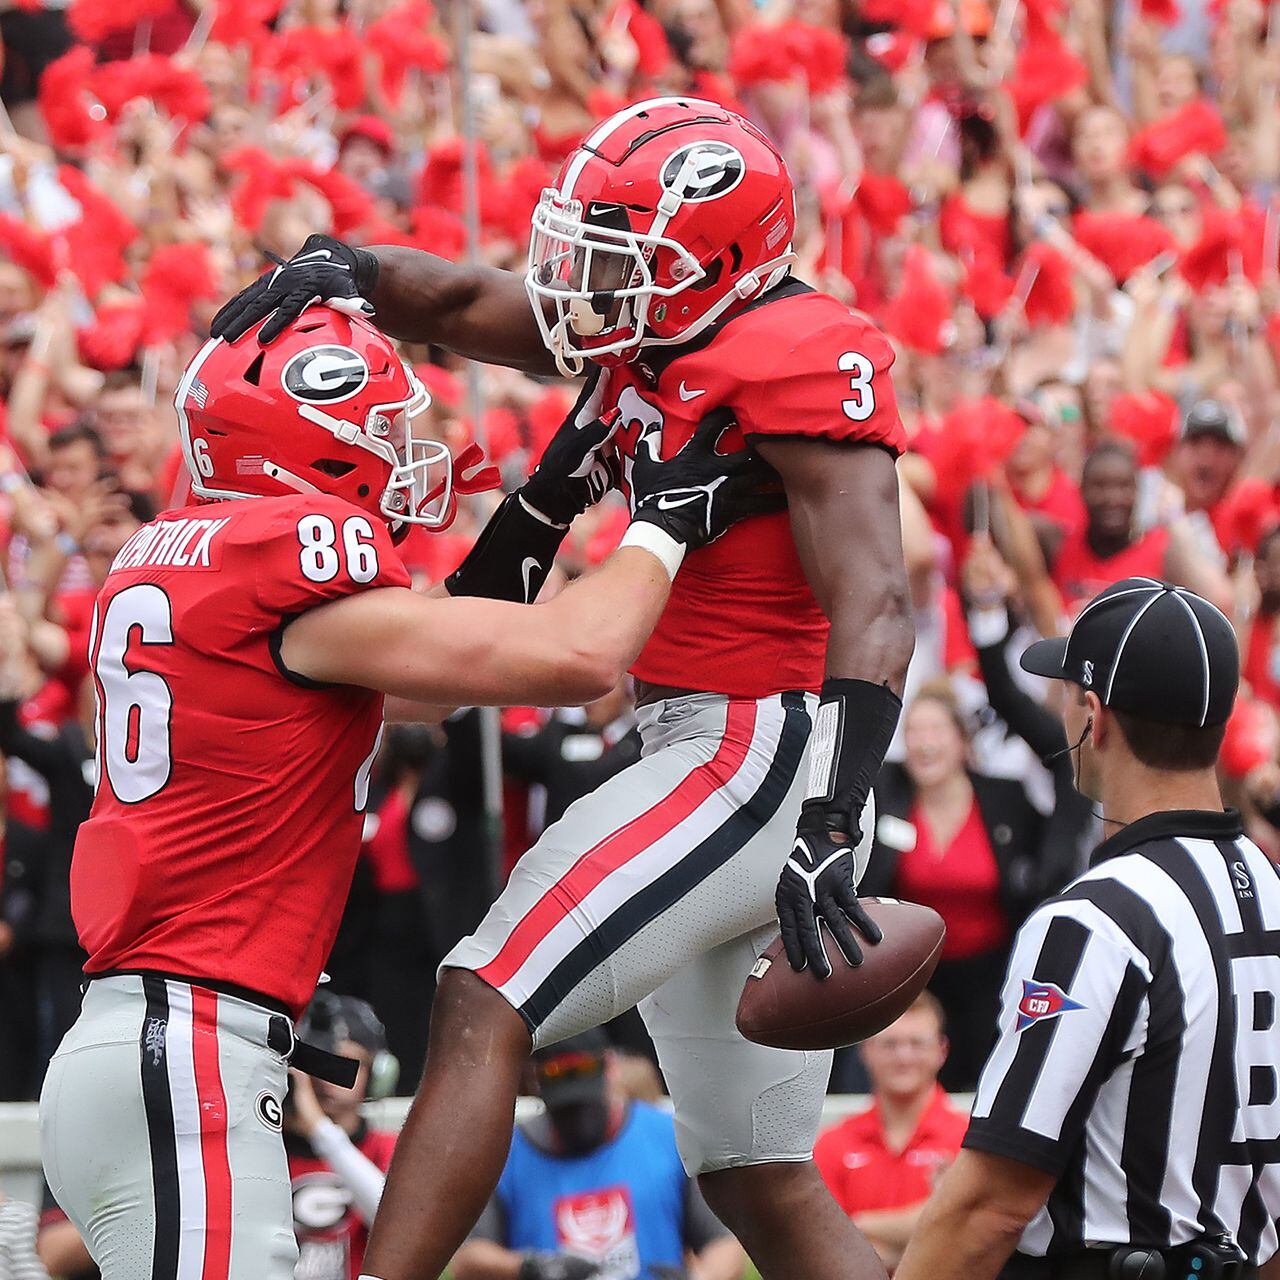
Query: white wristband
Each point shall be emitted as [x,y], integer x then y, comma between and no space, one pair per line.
[662,546]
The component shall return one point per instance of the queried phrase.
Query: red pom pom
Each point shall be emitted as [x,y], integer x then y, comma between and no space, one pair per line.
[440,232]
[96,241]
[971,443]
[1044,69]
[823,54]
[401,42]
[262,180]
[1194,129]
[114,338]
[883,201]
[243,22]
[760,56]
[1052,298]
[1250,738]
[1150,420]
[1229,243]
[301,53]
[31,250]
[913,16]
[177,277]
[1122,242]
[1245,515]
[985,283]
[441,180]
[94,20]
[350,204]
[1041,18]
[158,80]
[1165,12]
[67,104]
[919,315]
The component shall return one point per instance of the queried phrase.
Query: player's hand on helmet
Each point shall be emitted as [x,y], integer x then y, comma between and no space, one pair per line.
[697,494]
[557,1266]
[580,464]
[323,270]
[819,886]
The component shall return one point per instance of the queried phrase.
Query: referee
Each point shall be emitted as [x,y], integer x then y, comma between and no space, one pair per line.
[1127,1122]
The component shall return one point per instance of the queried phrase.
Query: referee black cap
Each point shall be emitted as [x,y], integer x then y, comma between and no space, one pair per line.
[1156,651]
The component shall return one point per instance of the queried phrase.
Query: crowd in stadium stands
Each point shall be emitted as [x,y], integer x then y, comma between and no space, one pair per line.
[1066,217]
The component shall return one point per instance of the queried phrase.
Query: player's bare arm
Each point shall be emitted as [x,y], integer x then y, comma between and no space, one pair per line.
[486,652]
[843,500]
[480,312]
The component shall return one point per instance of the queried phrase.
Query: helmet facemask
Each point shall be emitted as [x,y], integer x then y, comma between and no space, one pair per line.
[414,494]
[597,277]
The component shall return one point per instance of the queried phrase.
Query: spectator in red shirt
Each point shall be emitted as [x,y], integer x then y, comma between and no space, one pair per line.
[881,1164]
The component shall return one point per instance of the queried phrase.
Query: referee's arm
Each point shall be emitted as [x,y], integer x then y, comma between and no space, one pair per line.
[1072,1009]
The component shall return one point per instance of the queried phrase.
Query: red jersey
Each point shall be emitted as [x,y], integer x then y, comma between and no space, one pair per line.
[742,619]
[332,1237]
[227,820]
[863,1174]
[1080,574]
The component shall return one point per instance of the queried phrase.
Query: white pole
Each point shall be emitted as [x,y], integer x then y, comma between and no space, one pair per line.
[490,725]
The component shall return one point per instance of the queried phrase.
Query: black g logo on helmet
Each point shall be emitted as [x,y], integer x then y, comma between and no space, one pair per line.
[325,375]
[703,170]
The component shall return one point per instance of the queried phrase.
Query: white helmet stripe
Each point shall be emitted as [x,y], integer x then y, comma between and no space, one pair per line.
[593,140]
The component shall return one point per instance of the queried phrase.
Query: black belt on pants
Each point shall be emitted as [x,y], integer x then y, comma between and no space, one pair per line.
[281,1038]
[1199,1260]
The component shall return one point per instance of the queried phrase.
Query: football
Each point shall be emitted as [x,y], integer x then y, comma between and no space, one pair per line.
[788,1010]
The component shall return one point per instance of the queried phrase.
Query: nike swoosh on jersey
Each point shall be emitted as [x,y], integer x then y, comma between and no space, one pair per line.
[526,572]
[686,394]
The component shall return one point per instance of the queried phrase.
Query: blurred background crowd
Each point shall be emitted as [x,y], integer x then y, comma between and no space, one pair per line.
[1065,215]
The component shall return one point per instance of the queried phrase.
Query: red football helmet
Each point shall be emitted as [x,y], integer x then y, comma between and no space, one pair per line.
[668,214]
[329,407]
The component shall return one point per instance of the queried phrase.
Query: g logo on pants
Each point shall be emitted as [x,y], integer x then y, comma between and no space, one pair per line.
[269,1112]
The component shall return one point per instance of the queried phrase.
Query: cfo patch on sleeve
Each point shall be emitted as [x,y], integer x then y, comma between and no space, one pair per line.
[1042,1001]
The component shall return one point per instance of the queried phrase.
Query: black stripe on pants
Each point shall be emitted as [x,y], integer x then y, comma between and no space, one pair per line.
[160,1134]
[733,834]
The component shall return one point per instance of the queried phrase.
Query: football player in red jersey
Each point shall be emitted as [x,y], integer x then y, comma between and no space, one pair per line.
[661,261]
[240,652]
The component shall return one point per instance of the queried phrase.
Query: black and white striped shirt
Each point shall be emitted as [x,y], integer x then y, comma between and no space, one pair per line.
[1138,1048]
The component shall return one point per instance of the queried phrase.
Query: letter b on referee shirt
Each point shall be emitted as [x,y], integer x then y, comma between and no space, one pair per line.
[1256,980]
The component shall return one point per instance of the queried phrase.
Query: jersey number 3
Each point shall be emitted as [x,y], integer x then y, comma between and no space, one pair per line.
[862,402]
[134,706]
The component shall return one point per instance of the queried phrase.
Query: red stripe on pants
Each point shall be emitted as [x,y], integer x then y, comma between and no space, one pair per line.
[618,848]
[213,1134]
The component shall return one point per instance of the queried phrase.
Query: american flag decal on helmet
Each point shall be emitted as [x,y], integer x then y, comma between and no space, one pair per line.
[199,393]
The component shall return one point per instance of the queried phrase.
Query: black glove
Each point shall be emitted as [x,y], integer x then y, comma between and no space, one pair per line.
[323,270]
[698,494]
[819,883]
[578,467]
[556,1266]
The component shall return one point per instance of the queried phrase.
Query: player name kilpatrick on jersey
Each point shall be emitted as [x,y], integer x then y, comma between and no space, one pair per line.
[182,544]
